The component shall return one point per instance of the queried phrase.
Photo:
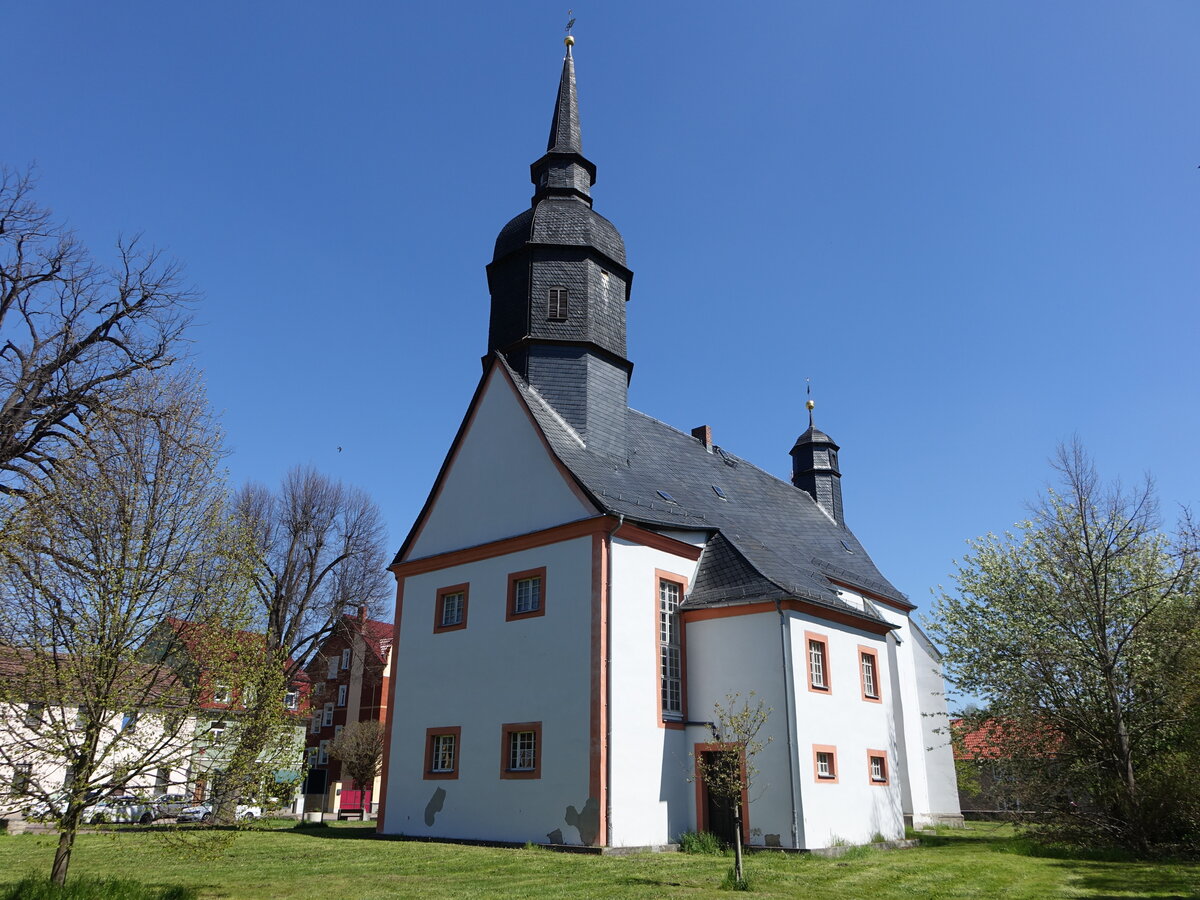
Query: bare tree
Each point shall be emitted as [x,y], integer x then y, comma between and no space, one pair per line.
[360,749]
[728,770]
[317,552]
[71,330]
[126,531]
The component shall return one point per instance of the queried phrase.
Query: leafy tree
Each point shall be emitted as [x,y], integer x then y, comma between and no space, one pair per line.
[1079,632]
[127,530]
[728,771]
[360,749]
[316,551]
[71,329]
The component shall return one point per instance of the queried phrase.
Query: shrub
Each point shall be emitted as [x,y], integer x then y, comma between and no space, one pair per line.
[700,842]
[34,887]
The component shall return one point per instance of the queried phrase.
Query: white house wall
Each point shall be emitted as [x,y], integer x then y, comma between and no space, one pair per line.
[741,654]
[501,482]
[490,673]
[651,798]
[852,809]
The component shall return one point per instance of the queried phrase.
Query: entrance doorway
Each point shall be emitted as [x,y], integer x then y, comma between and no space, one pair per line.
[715,814]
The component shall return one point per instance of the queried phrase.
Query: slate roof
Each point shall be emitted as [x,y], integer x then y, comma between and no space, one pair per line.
[767,539]
[564,221]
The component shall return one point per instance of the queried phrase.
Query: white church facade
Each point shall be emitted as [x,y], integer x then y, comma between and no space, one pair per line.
[585,582]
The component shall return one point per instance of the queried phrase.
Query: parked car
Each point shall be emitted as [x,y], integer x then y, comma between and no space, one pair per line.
[169,806]
[203,812]
[125,808]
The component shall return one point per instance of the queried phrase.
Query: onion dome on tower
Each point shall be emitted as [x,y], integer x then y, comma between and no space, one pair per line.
[559,285]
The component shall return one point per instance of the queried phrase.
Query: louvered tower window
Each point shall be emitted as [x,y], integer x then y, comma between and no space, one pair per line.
[556,304]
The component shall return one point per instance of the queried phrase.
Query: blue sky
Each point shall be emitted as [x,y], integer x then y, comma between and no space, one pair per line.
[972,225]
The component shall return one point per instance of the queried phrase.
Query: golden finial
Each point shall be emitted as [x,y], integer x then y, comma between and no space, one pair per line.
[809,404]
[569,40]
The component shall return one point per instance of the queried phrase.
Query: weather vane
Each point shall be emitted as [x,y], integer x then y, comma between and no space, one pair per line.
[569,39]
[809,404]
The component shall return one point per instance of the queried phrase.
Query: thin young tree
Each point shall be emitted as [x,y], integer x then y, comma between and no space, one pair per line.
[728,770]
[126,531]
[360,749]
[317,552]
[72,330]
[1079,634]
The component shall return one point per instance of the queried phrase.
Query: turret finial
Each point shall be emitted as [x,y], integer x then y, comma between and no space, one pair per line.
[809,404]
[569,40]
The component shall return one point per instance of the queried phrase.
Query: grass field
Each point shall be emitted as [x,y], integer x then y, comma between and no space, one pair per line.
[982,861]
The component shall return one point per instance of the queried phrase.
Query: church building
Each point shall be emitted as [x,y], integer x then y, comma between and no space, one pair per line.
[585,581]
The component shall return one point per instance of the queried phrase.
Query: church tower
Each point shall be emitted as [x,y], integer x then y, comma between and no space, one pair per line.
[815,469]
[559,284]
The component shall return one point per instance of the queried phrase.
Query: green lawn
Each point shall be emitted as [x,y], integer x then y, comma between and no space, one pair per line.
[984,861]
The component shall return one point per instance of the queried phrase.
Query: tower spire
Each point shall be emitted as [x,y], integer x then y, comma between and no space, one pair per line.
[564,170]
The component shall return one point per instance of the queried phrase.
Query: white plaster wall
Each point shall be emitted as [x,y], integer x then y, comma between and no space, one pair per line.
[854,809]
[651,799]
[743,654]
[501,483]
[919,703]
[491,673]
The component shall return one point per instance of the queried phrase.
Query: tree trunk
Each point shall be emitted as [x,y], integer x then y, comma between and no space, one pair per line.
[738,874]
[66,841]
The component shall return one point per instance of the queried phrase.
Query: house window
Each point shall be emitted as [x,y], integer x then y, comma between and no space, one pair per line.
[346,658]
[342,691]
[216,730]
[315,725]
[310,756]
[337,731]
[319,690]
[332,670]
[34,714]
[521,750]
[22,774]
[450,610]
[825,763]
[323,753]
[526,594]
[328,720]
[291,699]
[670,650]
[221,693]
[556,304]
[868,667]
[441,751]
[818,661]
[877,766]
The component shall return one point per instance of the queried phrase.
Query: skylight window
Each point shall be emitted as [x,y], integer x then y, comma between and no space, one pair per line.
[667,497]
[719,492]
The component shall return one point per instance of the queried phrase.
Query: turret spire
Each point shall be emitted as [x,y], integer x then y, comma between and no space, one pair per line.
[564,170]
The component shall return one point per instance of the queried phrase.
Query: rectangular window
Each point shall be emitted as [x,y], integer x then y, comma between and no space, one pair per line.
[877,766]
[556,304]
[346,658]
[310,756]
[343,690]
[825,763]
[323,753]
[337,731]
[221,693]
[216,730]
[818,661]
[291,699]
[526,594]
[450,610]
[441,751]
[22,774]
[331,671]
[328,719]
[670,649]
[34,714]
[521,750]
[315,725]
[868,667]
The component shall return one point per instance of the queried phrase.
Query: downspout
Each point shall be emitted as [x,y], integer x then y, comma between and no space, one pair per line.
[608,572]
[789,698]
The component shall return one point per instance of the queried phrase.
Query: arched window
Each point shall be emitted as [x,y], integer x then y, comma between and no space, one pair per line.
[556,304]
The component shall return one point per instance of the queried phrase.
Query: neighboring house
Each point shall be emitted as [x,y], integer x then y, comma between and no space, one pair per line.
[1006,769]
[42,730]
[350,675]
[584,582]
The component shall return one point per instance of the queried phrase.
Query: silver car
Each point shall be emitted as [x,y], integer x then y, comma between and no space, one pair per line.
[119,809]
[203,812]
[169,806]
